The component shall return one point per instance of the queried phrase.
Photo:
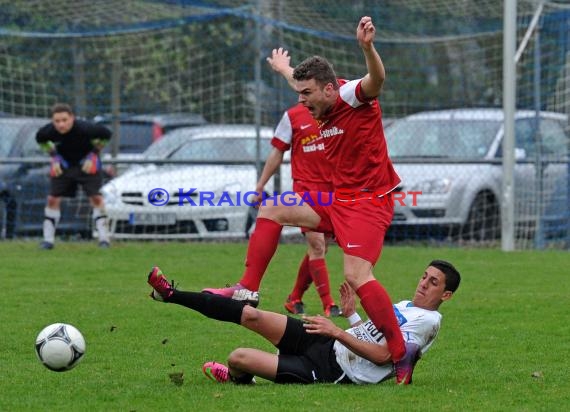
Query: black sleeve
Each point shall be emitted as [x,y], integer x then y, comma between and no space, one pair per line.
[43,135]
[99,131]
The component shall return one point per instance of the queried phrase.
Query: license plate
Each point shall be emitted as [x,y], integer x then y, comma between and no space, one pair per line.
[152,218]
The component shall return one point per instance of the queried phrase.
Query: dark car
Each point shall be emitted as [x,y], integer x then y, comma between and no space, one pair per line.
[137,132]
[24,184]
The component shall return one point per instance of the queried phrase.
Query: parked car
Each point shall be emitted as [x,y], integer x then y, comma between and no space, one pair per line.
[24,186]
[204,200]
[454,158]
[137,132]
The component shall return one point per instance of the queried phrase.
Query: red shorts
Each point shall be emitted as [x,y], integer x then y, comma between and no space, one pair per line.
[359,226]
[302,186]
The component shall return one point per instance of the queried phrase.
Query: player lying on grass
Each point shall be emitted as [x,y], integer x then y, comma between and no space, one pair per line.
[314,349]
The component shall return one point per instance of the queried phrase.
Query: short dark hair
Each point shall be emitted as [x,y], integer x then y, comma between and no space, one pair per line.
[61,108]
[318,68]
[452,276]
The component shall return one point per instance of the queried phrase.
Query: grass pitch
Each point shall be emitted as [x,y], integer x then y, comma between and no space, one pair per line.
[504,342]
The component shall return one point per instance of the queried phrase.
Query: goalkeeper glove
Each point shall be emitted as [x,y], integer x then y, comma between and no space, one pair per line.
[57,165]
[91,163]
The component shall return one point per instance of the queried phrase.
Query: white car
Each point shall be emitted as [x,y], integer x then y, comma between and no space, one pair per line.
[454,158]
[206,199]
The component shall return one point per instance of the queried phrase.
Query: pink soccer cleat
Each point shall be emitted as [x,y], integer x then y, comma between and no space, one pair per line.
[162,289]
[237,292]
[216,372]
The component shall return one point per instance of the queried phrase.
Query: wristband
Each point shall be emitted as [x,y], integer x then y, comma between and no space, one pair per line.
[354,318]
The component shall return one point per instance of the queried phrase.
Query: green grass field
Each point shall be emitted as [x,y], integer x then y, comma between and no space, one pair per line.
[503,345]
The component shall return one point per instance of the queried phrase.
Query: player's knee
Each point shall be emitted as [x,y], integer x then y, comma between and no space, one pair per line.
[268,211]
[354,278]
[317,249]
[238,358]
[249,315]
[53,202]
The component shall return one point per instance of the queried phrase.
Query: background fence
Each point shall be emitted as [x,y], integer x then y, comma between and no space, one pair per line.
[115,58]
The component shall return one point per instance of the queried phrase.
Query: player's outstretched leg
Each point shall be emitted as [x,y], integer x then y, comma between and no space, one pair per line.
[210,305]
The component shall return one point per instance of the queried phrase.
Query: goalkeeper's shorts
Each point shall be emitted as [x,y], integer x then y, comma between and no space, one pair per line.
[66,185]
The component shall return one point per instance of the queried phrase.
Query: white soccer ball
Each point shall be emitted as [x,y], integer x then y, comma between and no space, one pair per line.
[60,347]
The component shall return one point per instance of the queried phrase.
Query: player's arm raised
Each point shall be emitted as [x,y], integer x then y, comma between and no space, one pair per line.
[280,62]
[374,80]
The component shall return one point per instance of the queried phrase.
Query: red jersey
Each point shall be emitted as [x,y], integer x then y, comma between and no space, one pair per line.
[298,131]
[355,144]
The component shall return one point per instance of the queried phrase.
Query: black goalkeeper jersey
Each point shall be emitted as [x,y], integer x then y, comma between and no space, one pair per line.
[75,144]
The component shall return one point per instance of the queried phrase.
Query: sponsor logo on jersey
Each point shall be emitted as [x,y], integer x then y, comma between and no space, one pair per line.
[314,148]
[333,131]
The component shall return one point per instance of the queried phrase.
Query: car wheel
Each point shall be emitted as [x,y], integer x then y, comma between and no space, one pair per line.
[8,218]
[483,221]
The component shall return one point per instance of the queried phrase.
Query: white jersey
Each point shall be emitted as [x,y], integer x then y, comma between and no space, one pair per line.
[419,326]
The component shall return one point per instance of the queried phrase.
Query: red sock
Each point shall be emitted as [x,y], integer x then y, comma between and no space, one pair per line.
[260,250]
[303,280]
[320,276]
[376,302]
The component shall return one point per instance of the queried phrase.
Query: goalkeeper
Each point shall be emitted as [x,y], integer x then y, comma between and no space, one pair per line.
[74,147]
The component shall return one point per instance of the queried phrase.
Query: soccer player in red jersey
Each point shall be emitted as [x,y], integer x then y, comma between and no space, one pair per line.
[349,118]
[297,131]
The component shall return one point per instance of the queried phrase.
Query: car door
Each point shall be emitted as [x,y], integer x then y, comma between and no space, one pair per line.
[554,183]
[525,178]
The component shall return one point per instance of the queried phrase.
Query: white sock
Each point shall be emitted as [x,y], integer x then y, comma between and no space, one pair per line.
[100,219]
[51,219]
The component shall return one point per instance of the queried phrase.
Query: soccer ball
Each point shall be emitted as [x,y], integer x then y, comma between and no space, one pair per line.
[60,347]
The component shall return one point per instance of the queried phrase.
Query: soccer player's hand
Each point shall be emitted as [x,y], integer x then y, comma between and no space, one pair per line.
[321,326]
[365,32]
[258,199]
[347,301]
[57,164]
[91,163]
[280,61]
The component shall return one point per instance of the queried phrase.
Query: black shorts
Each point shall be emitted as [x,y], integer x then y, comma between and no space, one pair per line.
[66,184]
[307,358]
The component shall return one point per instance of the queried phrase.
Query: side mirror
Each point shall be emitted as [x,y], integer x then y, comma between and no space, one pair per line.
[520,153]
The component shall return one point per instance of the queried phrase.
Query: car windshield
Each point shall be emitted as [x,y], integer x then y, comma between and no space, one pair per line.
[164,147]
[222,149]
[8,133]
[134,137]
[441,138]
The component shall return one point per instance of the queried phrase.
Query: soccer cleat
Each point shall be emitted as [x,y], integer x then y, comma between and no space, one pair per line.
[237,292]
[216,372]
[104,244]
[46,245]
[333,311]
[405,366]
[295,306]
[162,290]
